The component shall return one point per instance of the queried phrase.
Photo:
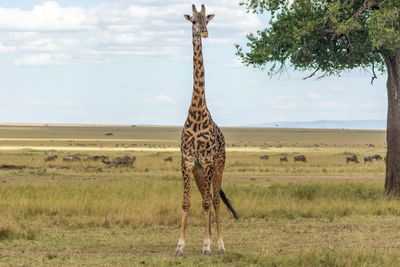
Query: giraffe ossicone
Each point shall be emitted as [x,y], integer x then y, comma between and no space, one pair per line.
[202,145]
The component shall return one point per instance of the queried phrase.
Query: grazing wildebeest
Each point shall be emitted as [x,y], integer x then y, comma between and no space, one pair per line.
[377,157]
[97,157]
[300,158]
[125,161]
[71,158]
[283,159]
[264,157]
[352,158]
[51,158]
[169,159]
[369,159]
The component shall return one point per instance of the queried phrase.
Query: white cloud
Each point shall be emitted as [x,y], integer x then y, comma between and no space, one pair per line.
[284,98]
[48,16]
[37,60]
[6,48]
[34,102]
[159,99]
[313,96]
[142,28]
[163,99]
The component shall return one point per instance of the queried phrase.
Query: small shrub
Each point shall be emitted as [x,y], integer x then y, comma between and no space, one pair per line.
[7,233]
[51,256]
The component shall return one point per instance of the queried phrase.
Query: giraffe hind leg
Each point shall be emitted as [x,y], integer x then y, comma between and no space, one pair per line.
[201,181]
[199,178]
[216,180]
[203,178]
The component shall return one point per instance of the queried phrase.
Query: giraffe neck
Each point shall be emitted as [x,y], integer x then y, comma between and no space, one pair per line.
[198,97]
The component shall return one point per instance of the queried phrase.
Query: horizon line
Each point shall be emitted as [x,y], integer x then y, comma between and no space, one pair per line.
[260,125]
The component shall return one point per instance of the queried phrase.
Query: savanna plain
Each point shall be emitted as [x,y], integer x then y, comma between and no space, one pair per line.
[322,212]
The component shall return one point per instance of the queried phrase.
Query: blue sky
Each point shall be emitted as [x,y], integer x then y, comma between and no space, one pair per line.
[129,62]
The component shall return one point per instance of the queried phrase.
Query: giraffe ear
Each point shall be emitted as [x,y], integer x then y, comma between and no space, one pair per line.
[188,17]
[210,17]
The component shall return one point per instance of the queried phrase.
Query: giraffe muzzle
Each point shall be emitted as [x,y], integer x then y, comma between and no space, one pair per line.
[204,34]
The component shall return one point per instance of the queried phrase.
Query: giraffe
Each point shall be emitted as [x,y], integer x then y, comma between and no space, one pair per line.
[202,146]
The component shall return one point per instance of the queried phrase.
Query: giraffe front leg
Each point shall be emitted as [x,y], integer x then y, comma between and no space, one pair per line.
[207,240]
[181,242]
[185,208]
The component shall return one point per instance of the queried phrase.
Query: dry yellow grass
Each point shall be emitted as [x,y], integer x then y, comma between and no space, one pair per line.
[81,213]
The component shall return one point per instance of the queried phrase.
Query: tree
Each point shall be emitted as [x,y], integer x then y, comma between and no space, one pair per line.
[328,37]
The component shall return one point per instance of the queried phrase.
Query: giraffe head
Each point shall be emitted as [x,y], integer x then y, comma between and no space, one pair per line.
[199,21]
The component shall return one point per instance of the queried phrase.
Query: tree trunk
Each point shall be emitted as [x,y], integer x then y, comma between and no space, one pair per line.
[392,180]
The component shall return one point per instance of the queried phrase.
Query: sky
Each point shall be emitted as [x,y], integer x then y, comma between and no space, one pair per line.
[130,62]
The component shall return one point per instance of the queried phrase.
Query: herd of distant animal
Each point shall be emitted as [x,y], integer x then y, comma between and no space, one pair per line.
[128,161]
[352,158]
[285,158]
[125,161]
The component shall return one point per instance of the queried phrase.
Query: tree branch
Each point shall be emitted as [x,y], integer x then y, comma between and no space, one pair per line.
[368,4]
[312,74]
[333,32]
[373,72]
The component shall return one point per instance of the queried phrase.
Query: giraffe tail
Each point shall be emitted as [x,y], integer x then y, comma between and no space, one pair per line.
[228,203]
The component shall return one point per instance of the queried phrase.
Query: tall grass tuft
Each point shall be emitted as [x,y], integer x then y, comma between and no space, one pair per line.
[122,202]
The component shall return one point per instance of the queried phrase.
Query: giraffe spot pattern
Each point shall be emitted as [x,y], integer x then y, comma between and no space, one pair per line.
[202,141]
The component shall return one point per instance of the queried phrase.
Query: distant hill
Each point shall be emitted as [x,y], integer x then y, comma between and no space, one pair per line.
[328,124]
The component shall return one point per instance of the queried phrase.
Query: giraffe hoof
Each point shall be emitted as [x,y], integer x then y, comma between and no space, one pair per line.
[206,252]
[178,254]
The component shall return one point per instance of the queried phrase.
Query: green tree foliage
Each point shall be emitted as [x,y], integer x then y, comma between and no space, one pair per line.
[328,37]
[324,36]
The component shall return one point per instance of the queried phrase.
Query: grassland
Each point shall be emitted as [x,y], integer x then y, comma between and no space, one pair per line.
[320,213]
